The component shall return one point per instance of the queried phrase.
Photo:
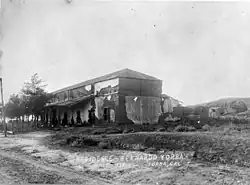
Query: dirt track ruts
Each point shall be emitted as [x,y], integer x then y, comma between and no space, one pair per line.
[19,168]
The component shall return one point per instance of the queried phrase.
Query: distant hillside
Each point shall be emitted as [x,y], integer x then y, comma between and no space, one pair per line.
[223,101]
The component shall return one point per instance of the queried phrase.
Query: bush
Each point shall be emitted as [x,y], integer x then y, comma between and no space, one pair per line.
[75,141]
[75,144]
[161,130]
[206,128]
[180,128]
[184,128]
[98,131]
[113,131]
[128,130]
[89,142]
[103,145]
[70,139]
[191,129]
[170,129]
[230,129]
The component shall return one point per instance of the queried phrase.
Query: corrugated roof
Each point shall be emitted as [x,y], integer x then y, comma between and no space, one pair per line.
[124,73]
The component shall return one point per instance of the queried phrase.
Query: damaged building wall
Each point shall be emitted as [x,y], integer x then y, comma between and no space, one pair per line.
[121,114]
[82,107]
[84,110]
[169,104]
[114,99]
[133,108]
[108,102]
[81,91]
[141,109]
[139,100]
[99,104]
[107,87]
[60,97]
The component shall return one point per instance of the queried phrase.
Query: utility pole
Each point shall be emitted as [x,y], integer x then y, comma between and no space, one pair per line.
[3,116]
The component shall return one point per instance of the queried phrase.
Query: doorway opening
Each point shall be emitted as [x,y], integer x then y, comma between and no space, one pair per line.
[78,118]
[106,114]
[65,119]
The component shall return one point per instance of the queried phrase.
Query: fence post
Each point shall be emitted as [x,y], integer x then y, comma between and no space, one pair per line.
[3,115]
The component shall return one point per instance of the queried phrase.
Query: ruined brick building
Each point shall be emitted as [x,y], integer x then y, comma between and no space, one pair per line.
[121,97]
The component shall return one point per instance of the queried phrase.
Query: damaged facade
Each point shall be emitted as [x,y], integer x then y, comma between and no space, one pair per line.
[169,103]
[124,96]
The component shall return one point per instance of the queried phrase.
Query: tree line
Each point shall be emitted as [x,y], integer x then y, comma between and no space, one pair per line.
[30,101]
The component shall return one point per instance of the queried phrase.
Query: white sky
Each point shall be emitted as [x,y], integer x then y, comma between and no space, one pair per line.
[200,50]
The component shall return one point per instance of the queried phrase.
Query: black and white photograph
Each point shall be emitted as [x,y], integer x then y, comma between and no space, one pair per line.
[130,92]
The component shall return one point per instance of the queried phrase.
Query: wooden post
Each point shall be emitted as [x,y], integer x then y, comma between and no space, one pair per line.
[141,111]
[3,116]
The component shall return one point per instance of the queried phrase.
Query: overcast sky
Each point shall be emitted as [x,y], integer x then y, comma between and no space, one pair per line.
[201,51]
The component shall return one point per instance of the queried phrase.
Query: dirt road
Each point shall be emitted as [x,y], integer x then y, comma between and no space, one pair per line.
[26,158]
[16,167]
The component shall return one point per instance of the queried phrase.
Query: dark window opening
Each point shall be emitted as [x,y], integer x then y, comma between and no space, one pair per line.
[106,114]
[71,94]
